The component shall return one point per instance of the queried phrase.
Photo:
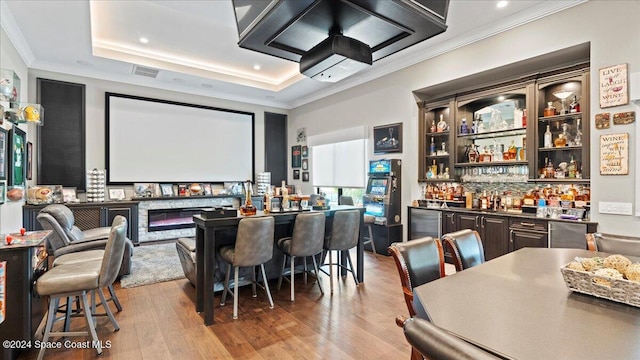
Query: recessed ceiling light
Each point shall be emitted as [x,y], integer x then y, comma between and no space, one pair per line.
[502,4]
[256,67]
[144,40]
[208,86]
[500,98]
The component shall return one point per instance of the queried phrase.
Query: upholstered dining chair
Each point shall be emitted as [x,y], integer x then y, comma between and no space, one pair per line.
[68,238]
[466,248]
[418,262]
[80,278]
[433,342]
[306,241]
[368,221]
[615,244]
[344,236]
[253,247]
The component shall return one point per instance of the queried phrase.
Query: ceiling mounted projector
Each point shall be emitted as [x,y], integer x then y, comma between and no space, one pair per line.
[332,39]
[336,58]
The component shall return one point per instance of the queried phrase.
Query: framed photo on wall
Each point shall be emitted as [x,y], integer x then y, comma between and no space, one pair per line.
[4,135]
[305,176]
[3,191]
[305,164]
[17,157]
[69,194]
[387,139]
[296,174]
[305,151]
[296,153]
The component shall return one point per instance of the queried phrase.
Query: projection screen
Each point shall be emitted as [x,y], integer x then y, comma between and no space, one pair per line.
[150,140]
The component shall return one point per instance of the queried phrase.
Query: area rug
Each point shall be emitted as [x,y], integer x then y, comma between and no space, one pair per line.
[153,264]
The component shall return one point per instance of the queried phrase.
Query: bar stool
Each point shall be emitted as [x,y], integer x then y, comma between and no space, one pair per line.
[77,279]
[344,236]
[307,240]
[368,220]
[253,247]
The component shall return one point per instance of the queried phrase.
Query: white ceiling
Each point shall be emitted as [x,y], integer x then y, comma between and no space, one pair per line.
[194,45]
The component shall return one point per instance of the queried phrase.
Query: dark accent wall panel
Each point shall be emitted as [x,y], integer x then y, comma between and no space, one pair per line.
[61,141]
[275,146]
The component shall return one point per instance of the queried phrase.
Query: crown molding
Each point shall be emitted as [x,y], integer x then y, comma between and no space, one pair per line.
[11,28]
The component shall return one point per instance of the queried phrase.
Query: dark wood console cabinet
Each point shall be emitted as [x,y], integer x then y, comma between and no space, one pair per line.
[90,215]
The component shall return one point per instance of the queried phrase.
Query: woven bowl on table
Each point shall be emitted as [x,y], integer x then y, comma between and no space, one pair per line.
[620,290]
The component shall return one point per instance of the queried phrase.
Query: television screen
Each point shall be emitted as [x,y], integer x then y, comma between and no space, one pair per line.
[378,186]
[380,167]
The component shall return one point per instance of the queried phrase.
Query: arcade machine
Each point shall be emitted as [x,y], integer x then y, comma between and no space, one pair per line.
[383,201]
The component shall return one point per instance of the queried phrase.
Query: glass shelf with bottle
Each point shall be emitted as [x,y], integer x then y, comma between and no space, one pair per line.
[492,114]
[496,173]
[438,171]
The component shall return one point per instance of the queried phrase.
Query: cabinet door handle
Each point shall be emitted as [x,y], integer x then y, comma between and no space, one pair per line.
[452,219]
[527,224]
[511,236]
[483,222]
[477,226]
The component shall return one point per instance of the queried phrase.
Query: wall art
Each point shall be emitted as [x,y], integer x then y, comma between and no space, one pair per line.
[387,139]
[614,154]
[624,118]
[296,156]
[17,160]
[614,89]
[603,120]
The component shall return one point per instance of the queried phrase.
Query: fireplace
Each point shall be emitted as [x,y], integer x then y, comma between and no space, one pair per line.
[171,219]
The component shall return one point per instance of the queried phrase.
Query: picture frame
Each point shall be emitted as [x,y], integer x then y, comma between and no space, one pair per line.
[296,174]
[296,152]
[166,189]
[207,189]
[145,189]
[305,164]
[305,151]
[614,87]
[305,176]
[69,194]
[387,139]
[17,158]
[116,194]
[4,135]
[614,154]
[30,161]
[3,191]
[183,190]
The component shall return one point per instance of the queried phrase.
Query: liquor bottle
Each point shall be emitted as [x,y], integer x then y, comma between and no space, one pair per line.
[481,127]
[434,169]
[267,200]
[432,147]
[574,107]
[248,208]
[572,168]
[517,118]
[473,154]
[548,140]
[433,126]
[474,126]
[496,201]
[444,148]
[550,110]
[513,152]
[483,201]
[442,125]
[446,174]
[560,141]
[549,171]
[524,118]
[464,129]
[284,192]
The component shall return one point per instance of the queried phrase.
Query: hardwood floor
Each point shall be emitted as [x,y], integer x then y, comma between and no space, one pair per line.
[159,322]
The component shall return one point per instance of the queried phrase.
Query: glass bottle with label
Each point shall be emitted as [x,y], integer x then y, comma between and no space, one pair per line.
[433,126]
[574,107]
[284,192]
[572,168]
[550,110]
[513,152]
[560,141]
[432,147]
[464,128]
[578,139]
[434,169]
[473,154]
[548,138]
[442,125]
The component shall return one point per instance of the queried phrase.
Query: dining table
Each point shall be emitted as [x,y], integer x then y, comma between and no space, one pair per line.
[518,306]
[207,230]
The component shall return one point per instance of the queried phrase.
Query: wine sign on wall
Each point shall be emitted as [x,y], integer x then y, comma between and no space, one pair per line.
[614,154]
[614,89]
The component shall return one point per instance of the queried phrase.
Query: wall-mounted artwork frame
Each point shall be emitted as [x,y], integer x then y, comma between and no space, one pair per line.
[116,194]
[614,88]
[166,189]
[296,156]
[3,191]
[387,139]
[614,154]
[305,164]
[4,136]
[296,174]
[17,158]
[305,176]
